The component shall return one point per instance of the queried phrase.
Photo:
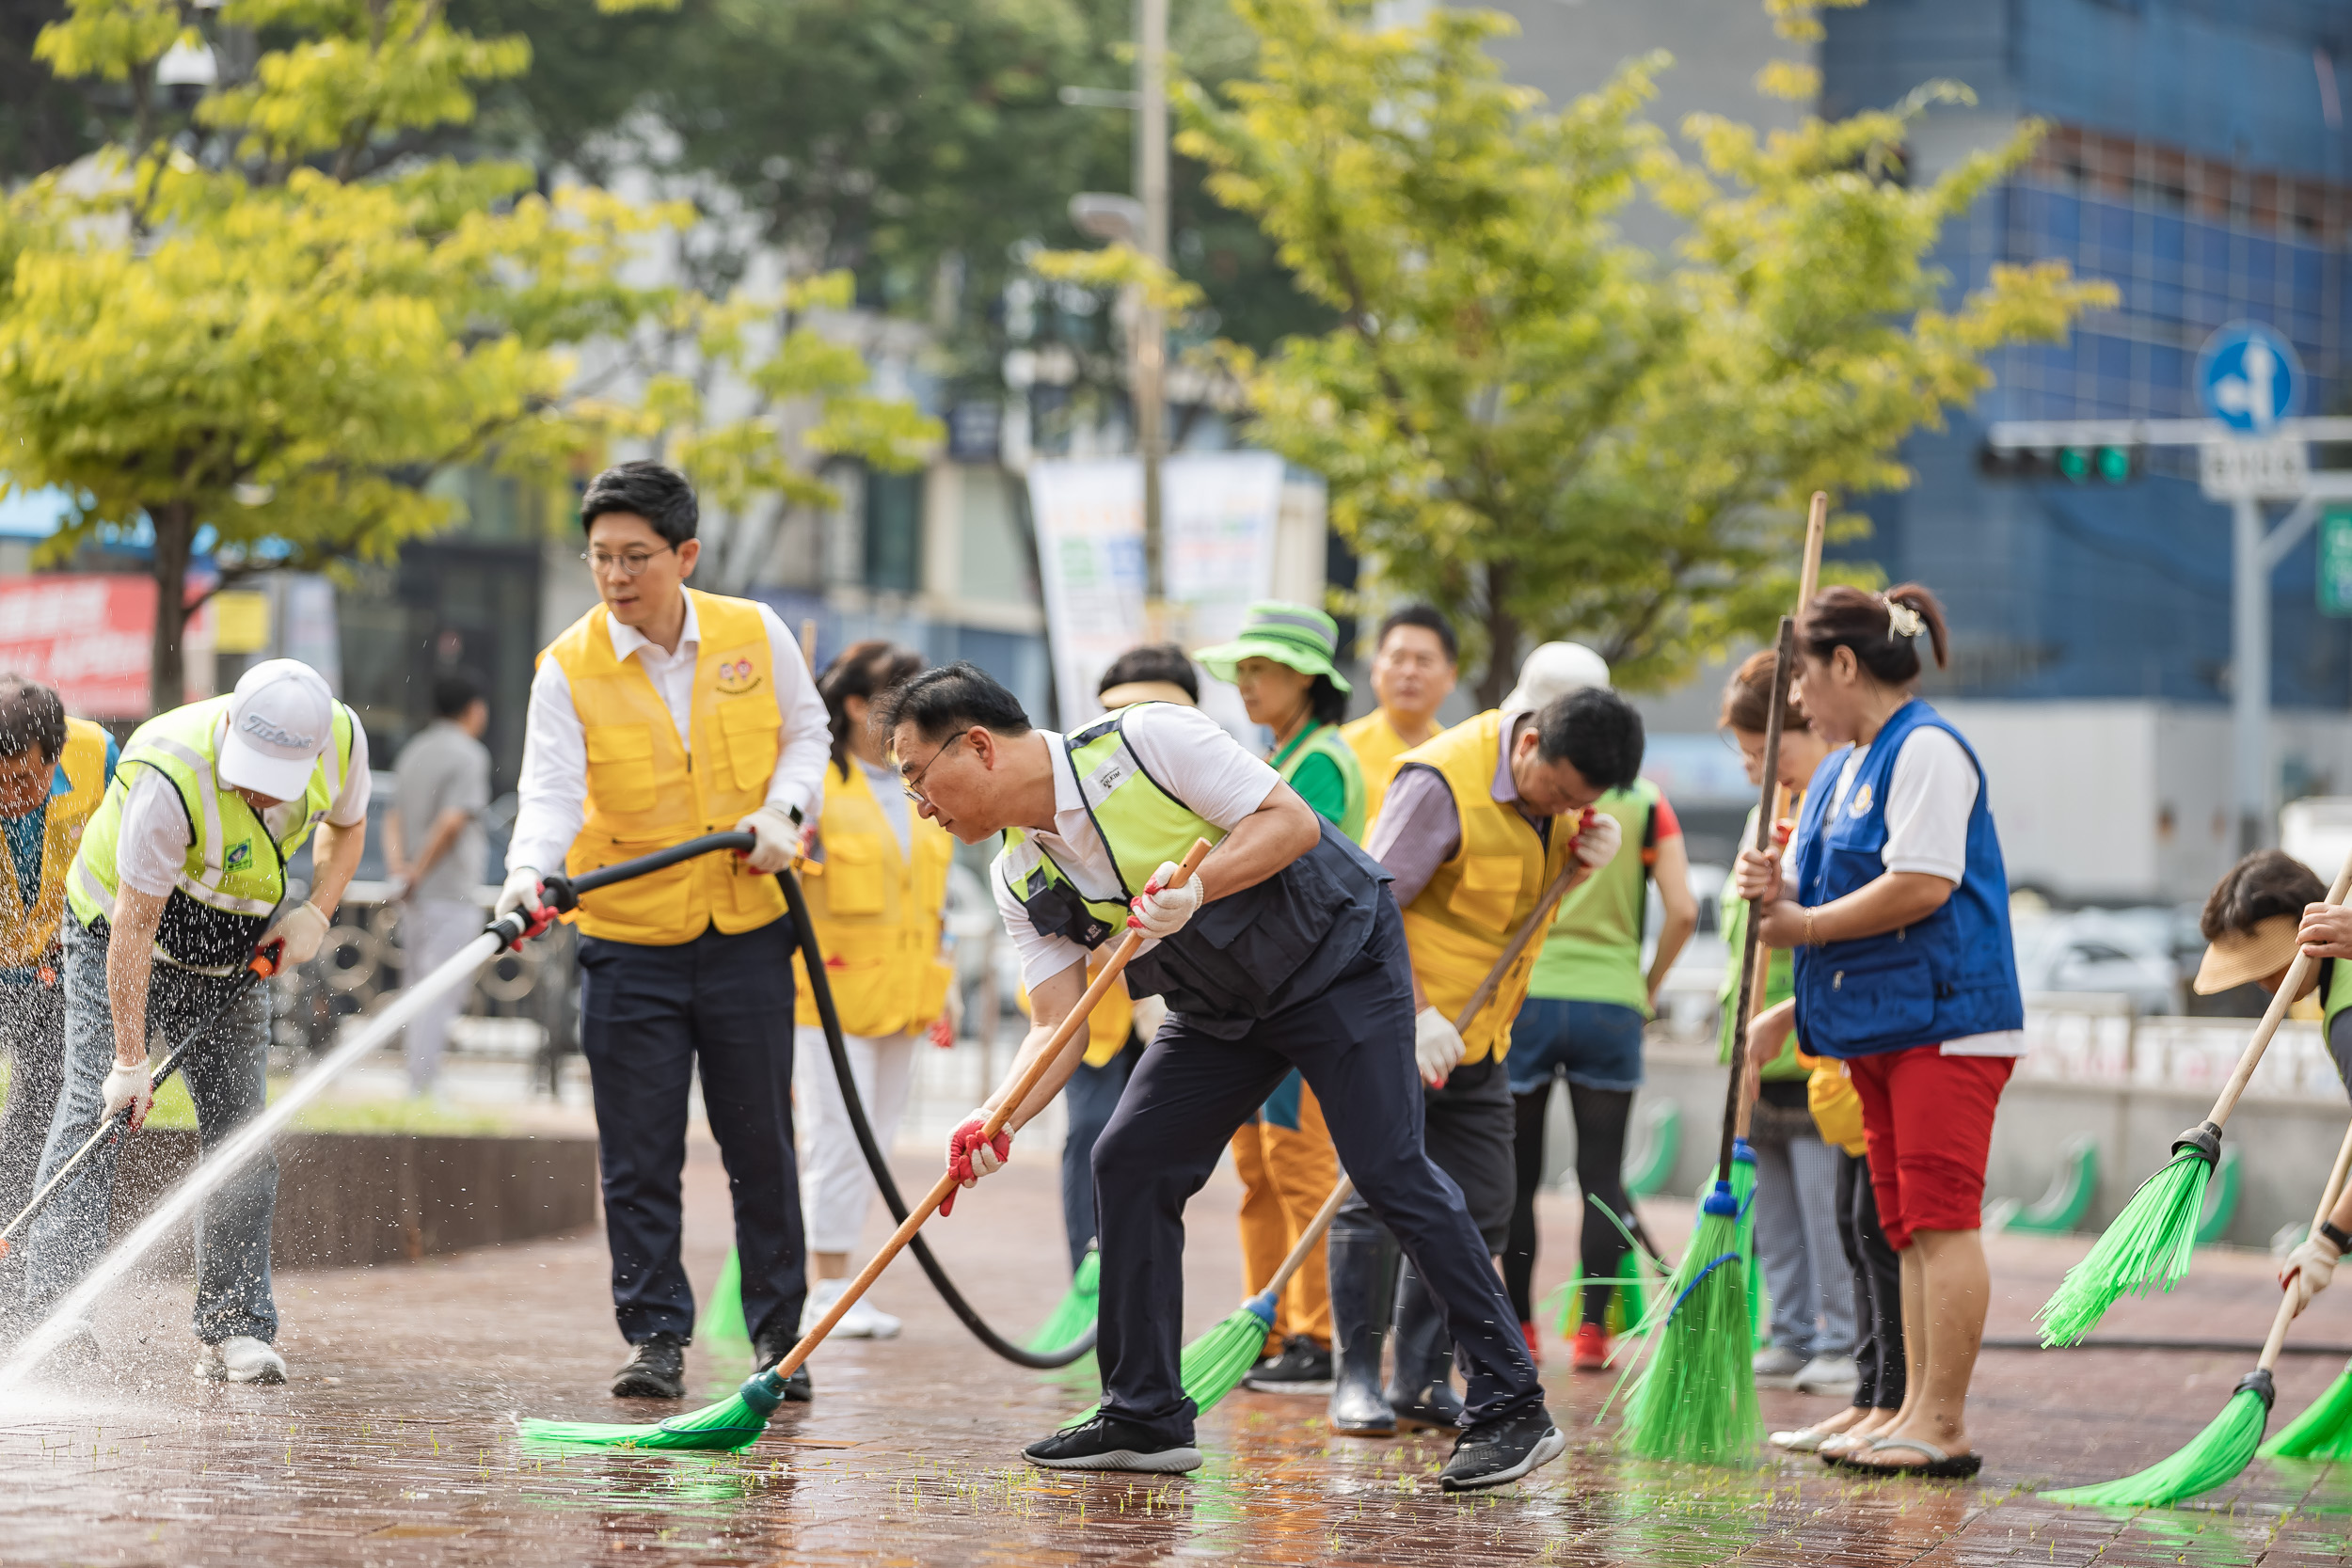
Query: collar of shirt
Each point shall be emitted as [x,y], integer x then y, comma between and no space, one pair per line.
[1508,787]
[629,639]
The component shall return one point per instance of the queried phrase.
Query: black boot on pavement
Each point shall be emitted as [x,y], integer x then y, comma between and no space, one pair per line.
[656,1370]
[1359,1271]
[1107,1443]
[1303,1367]
[1420,1391]
[771,1347]
[1498,1453]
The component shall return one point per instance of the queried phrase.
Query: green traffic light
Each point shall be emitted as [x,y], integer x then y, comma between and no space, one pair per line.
[2115,465]
[2075,464]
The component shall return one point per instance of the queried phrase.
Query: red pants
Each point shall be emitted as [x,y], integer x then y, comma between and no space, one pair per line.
[1928,1119]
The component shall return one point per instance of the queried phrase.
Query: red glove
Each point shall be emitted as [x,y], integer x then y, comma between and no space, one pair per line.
[970,1157]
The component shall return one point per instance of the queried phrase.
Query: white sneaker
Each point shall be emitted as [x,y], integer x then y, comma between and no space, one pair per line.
[241,1360]
[1828,1374]
[864,1321]
[1777,1365]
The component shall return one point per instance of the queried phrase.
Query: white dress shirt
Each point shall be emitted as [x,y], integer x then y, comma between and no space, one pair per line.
[553,794]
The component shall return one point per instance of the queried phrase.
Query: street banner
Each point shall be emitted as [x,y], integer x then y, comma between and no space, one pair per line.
[90,635]
[1218,513]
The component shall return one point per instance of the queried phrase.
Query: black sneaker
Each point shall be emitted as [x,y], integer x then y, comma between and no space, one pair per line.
[656,1370]
[772,1348]
[1495,1454]
[1107,1443]
[1303,1367]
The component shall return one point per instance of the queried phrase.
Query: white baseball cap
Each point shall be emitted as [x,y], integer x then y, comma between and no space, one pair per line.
[282,718]
[1554,670]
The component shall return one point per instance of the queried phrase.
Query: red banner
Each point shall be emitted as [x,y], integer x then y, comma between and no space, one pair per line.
[86,634]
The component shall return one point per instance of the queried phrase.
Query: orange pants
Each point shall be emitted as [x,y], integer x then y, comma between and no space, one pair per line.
[1288,1168]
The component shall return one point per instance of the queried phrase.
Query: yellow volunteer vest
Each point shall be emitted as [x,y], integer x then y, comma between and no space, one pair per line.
[26,933]
[1112,1020]
[1377,747]
[646,792]
[1461,921]
[877,912]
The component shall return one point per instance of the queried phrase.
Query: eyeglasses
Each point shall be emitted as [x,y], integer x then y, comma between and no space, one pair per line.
[912,783]
[630,565]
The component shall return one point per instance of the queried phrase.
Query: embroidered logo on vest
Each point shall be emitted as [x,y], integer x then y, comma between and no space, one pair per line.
[1861,806]
[736,678]
[240,857]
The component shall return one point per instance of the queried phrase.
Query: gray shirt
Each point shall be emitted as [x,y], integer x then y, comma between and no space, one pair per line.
[444,769]
[1419,830]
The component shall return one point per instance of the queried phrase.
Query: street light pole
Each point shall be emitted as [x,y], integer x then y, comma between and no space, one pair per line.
[2249,672]
[1151,349]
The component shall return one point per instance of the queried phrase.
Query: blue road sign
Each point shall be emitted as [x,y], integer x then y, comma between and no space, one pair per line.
[2248,377]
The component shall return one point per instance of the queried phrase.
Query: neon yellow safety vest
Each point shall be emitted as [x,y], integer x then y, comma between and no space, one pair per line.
[236,875]
[29,928]
[1320,739]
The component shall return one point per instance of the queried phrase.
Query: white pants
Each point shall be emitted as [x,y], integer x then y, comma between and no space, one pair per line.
[835,1186]
[432,933]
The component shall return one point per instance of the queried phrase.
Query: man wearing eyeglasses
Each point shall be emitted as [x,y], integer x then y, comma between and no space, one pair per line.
[661,715]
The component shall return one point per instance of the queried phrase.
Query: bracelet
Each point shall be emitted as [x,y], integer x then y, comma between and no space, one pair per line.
[2340,1240]
[1810,939]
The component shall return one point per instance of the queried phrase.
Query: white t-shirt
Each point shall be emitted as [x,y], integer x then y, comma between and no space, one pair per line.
[152,848]
[1191,756]
[1929,800]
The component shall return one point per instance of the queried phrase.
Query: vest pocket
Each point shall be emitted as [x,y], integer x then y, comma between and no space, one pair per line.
[620,763]
[1874,997]
[854,874]
[1489,890]
[749,728]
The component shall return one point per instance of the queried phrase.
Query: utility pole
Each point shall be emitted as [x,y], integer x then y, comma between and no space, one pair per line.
[1151,346]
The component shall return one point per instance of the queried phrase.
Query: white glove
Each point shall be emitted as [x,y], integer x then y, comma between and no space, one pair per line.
[1437,1047]
[521,892]
[1597,840]
[2308,1270]
[129,1085]
[776,839]
[302,928]
[1164,908]
[1150,1012]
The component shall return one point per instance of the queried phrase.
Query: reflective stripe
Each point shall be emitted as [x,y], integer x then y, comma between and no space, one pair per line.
[91,887]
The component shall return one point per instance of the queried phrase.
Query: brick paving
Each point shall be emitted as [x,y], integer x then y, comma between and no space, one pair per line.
[392,1444]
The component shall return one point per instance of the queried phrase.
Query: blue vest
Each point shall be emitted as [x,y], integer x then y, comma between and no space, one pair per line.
[1953,973]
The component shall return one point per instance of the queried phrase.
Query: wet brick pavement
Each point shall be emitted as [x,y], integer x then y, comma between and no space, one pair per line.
[393,1445]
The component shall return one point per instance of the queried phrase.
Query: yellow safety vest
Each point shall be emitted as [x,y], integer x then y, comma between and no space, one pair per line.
[1377,747]
[1460,923]
[646,793]
[877,912]
[25,934]
[1112,1020]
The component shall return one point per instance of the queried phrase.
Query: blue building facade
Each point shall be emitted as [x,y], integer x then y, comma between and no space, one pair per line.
[2199,158]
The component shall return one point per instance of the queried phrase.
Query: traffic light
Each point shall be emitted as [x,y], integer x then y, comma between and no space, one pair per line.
[2102,464]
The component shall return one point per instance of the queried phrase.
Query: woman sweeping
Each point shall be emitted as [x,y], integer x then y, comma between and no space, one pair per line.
[1904,971]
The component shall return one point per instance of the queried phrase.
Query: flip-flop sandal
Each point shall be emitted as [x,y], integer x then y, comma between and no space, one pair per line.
[1803,1440]
[1939,1466]
[1834,1448]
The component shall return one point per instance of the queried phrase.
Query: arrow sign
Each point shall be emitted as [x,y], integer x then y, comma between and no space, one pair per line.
[2248,377]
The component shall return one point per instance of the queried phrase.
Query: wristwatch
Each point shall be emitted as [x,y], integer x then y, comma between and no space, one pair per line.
[2340,1240]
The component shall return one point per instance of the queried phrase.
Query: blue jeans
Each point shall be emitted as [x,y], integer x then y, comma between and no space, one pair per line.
[1597,1044]
[1091,1097]
[226,1078]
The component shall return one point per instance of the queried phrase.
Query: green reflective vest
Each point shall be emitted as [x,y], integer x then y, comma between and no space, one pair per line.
[236,873]
[1323,740]
[1593,952]
[2335,993]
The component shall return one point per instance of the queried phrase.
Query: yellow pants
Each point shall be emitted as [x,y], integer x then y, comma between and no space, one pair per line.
[1288,1168]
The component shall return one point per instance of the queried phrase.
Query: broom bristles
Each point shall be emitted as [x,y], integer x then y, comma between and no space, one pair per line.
[2211,1458]
[722,1318]
[1214,1365]
[2322,1432]
[734,1422]
[1697,1400]
[1074,1313]
[2148,1248]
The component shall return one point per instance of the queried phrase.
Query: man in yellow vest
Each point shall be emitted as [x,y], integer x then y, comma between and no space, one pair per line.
[179,879]
[53,770]
[1470,834]
[1413,672]
[661,715]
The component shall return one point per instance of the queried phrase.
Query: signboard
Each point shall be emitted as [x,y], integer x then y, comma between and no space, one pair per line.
[87,635]
[2335,562]
[2233,470]
[2248,377]
[1218,513]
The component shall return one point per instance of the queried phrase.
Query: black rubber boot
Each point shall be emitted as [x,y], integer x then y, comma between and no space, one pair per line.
[1359,1277]
[656,1370]
[1420,1391]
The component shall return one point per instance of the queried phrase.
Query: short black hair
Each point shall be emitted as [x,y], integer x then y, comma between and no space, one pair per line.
[1424,615]
[954,697]
[1153,661]
[31,714]
[1326,701]
[2265,883]
[658,495]
[1597,730]
[454,692]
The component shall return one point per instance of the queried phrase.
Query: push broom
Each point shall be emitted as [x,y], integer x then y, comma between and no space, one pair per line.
[735,1422]
[2151,1242]
[2216,1455]
[1696,1400]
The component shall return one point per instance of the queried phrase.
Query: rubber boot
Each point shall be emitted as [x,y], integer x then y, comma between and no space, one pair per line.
[1359,1264]
[1420,1391]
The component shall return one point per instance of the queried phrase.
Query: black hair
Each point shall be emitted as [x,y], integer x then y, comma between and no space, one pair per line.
[1153,661]
[952,698]
[1597,730]
[864,670]
[2265,883]
[1843,617]
[1326,701]
[31,714]
[658,495]
[454,692]
[1425,616]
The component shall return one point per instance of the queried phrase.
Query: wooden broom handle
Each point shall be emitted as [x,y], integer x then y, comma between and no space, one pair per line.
[2327,1205]
[2291,988]
[1029,1078]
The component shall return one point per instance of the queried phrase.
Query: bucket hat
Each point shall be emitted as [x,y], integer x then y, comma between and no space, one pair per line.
[1291,634]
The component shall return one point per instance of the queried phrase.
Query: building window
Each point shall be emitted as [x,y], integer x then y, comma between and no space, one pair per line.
[894,531]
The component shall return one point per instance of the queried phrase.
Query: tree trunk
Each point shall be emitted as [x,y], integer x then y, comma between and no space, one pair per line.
[175,541]
[1502,640]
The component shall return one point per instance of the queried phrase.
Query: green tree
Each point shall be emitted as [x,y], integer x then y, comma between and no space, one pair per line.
[1539,427]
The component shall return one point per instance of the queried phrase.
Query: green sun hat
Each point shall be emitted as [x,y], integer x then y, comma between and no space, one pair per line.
[1294,634]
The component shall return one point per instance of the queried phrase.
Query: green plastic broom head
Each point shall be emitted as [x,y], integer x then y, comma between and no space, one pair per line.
[1074,1313]
[731,1424]
[722,1327]
[2322,1432]
[2212,1458]
[1214,1365]
[1695,1402]
[2149,1247]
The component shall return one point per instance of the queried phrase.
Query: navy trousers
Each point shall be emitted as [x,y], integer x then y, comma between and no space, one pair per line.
[649,1016]
[1354,1043]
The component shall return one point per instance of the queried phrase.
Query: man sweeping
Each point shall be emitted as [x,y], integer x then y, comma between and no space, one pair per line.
[179,879]
[1283,952]
[661,715]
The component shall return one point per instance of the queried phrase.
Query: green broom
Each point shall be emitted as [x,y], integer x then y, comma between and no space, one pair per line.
[2151,1244]
[738,1421]
[2216,1455]
[2322,1432]
[1074,1313]
[723,1326]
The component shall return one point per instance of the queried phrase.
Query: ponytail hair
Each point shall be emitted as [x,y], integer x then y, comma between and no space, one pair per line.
[1748,698]
[1883,629]
[864,670]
